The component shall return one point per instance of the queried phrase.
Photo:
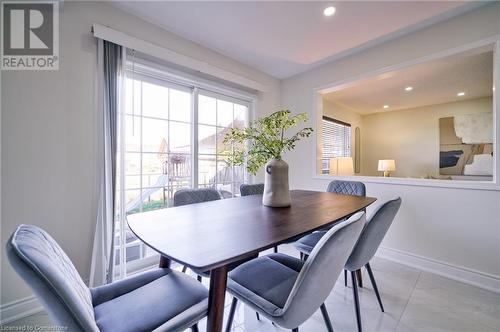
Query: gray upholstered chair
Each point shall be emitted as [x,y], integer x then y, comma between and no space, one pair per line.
[353,188]
[288,290]
[157,300]
[252,189]
[368,243]
[192,196]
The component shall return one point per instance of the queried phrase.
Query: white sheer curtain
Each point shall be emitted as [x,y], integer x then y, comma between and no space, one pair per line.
[110,83]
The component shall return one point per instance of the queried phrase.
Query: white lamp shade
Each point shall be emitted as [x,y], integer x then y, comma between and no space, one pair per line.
[341,166]
[387,165]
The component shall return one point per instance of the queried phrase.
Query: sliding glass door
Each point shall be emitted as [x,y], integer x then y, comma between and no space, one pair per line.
[170,137]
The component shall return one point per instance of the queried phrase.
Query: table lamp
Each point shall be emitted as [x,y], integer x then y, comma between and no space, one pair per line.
[387,166]
[341,166]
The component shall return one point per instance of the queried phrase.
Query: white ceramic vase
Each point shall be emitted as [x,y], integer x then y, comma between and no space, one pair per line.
[276,189]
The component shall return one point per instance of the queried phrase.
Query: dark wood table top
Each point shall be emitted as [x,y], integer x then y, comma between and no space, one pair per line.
[212,234]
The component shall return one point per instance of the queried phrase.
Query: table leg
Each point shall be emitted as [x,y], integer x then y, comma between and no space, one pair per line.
[164,262]
[217,293]
[360,278]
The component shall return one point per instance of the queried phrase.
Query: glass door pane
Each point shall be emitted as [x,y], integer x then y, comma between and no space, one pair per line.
[217,115]
[155,154]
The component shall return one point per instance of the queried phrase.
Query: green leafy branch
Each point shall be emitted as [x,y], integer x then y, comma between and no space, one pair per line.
[266,139]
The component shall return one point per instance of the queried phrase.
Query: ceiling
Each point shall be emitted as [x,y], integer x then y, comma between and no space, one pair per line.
[433,82]
[285,38]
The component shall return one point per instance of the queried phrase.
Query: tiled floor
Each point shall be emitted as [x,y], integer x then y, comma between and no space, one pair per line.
[413,301]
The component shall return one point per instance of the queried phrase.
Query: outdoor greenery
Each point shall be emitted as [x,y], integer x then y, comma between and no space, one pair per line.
[148,206]
[266,139]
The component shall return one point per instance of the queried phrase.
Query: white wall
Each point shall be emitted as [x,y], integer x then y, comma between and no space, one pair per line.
[48,130]
[411,137]
[459,227]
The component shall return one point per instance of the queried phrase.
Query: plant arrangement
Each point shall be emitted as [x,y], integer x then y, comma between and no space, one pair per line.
[266,138]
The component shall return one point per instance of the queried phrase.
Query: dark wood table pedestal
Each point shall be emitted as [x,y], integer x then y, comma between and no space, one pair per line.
[360,278]
[165,262]
[216,298]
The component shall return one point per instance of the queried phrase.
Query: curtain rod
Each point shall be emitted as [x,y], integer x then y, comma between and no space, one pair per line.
[120,38]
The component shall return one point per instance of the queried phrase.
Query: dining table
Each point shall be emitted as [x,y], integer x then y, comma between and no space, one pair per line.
[210,236]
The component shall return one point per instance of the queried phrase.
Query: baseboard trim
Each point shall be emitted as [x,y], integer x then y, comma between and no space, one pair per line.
[458,273]
[22,308]
[15,310]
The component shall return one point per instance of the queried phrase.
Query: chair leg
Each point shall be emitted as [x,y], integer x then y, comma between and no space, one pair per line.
[194,328]
[360,278]
[374,285]
[329,326]
[301,256]
[345,277]
[276,249]
[257,315]
[184,268]
[230,318]
[356,299]
[198,278]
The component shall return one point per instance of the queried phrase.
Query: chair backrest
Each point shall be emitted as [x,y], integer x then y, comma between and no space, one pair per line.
[252,189]
[321,270]
[373,234]
[192,196]
[44,266]
[353,188]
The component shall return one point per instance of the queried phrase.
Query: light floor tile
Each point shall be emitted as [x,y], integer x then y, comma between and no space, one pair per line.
[441,304]
[413,300]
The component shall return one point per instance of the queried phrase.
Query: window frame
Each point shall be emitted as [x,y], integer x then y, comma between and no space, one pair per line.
[345,140]
[149,72]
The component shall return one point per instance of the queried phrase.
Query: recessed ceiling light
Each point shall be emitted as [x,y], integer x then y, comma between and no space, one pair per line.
[460,94]
[386,106]
[329,11]
[408,88]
